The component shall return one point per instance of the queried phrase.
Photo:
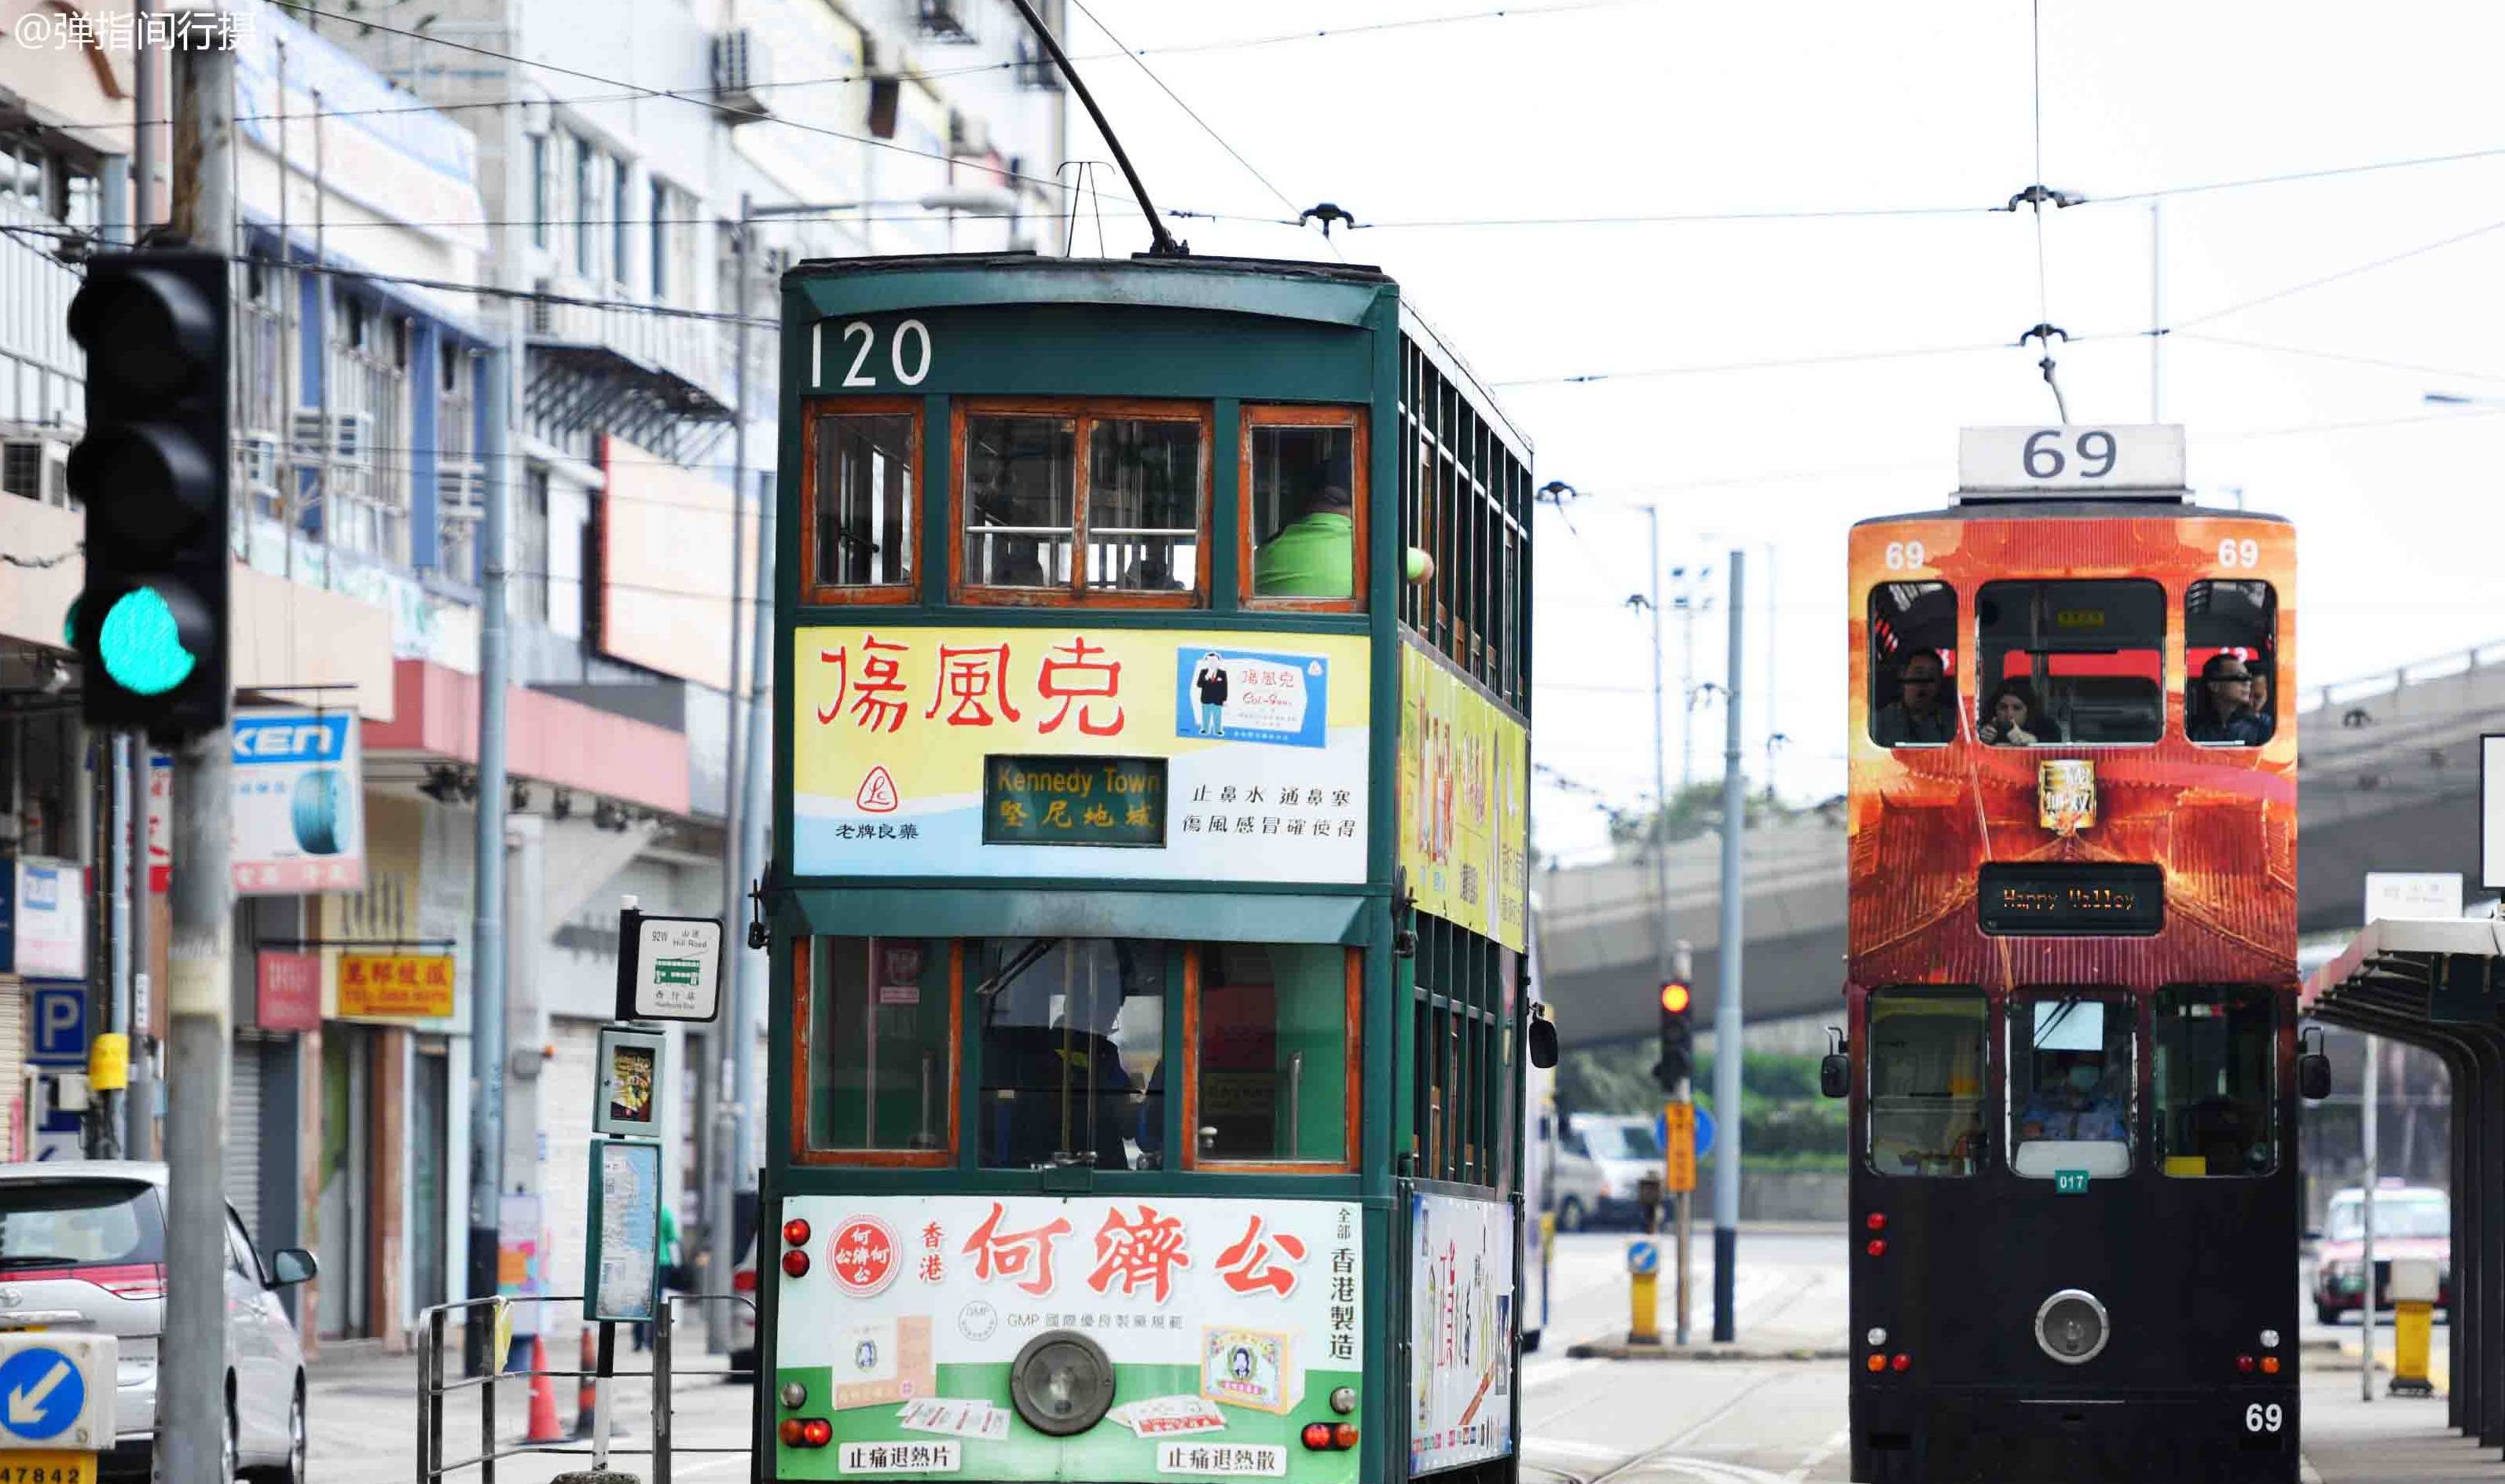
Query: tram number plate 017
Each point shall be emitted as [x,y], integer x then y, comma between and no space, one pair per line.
[2263,1417]
[48,1467]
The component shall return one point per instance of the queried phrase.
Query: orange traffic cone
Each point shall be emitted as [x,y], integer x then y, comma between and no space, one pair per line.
[545,1428]
[587,1395]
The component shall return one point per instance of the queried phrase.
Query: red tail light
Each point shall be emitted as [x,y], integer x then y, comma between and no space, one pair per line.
[795,1264]
[793,1432]
[2270,1366]
[817,1432]
[1876,1221]
[1876,1247]
[1318,1435]
[795,1232]
[1344,1436]
[2244,1364]
[1902,1362]
[744,1281]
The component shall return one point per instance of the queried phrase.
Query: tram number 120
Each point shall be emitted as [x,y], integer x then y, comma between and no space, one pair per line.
[2263,1417]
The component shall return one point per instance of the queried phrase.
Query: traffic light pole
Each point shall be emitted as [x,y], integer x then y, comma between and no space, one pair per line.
[1682,964]
[190,1371]
[1726,1000]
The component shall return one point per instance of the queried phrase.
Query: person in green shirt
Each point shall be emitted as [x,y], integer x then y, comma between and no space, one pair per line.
[670,1275]
[1315,556]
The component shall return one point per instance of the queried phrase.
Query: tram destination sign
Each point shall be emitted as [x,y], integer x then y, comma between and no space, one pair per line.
[2071,899]
[1030,800]
[2125,459]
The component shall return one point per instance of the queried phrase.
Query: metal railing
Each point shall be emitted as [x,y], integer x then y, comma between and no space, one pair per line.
[434,1388]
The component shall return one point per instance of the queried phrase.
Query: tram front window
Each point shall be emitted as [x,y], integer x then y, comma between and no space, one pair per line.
[1303,509]
[2215,1051]
[1143,505]
[862,519]
[1021,505]
[1913,664]
[2070,1087]
[1072,1030]
[882,1073]
[2230,653]
[2084,660]
[1275,1058]
[1926,1055]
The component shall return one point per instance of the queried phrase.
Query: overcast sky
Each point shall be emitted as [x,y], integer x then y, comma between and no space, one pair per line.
[1659,107]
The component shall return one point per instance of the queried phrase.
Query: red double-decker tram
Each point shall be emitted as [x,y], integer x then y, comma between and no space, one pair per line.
[2072,990]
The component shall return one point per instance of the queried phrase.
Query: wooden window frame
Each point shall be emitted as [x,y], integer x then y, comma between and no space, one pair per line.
[1301,415]
[1355,959]
[803,1151]
[1083,413]
[814,592]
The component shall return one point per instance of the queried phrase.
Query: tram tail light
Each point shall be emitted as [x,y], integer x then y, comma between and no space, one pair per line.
[1876,1221]
[1902,1364]
[1318,1435]
[793,1432]
[1876,1247]
[795,1264]
[795,1232]
[1876,1364]
[817,1432]
[1344,1436]
[2244,1364]
[2270,1366]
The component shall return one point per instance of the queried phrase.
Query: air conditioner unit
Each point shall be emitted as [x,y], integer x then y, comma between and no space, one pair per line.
[36,466]
[460,493]
[350,442]
[944,20]
[543,312]
[738,73]
[257,458]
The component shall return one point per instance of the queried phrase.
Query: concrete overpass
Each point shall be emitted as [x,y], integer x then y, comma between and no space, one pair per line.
[2388,780]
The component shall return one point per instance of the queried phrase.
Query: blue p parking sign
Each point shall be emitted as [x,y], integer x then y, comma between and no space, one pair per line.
[58,1036]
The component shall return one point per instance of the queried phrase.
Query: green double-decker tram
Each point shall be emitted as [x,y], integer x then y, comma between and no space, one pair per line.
[1149,894]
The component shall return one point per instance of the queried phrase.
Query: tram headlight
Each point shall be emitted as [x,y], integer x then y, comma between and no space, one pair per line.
[2072,1327]
[1343,1399]
[1061,1383]
[795,1396]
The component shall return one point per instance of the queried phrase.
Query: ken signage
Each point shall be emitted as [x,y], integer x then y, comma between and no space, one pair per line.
[298,803]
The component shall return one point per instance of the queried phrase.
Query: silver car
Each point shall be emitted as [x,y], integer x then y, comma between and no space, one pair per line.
[82,1246]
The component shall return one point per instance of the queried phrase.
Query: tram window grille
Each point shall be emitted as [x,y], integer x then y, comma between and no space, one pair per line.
[1084,502]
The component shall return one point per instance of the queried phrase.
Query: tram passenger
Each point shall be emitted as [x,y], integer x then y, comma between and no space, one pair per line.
[2228,709]
[2010,719]
[1921,715]
[1314,554]
[2073,1104]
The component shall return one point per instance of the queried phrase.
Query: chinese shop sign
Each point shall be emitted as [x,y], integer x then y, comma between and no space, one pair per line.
[396,986]
[1075,800]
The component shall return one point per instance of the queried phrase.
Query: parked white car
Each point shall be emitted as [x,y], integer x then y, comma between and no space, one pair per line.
[1600,1160]
[82,1246]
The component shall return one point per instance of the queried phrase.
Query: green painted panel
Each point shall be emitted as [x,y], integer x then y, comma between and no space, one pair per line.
[1280,917]
[1325,294]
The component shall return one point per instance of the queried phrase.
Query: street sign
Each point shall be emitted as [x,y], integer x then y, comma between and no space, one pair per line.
[669,968]
[2069,1182]
[2413,894]
[1644,1257]
[1705,1127]
[621,1262]
[2126,458]
[43,918]
[1679,1147]
[57,1038]
[56,1391]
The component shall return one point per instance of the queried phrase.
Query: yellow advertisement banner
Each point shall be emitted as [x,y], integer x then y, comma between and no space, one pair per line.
[1077,750]
[396,986]
[1464,805]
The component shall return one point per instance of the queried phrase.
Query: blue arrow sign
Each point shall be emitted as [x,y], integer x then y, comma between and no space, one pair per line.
[1643,1256]
[41,1392]
[1703,1131]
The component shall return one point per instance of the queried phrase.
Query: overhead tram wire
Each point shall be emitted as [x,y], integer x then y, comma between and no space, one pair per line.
[1189,112]
[1161,242]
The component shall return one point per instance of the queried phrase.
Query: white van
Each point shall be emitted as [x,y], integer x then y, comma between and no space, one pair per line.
[1600,1160]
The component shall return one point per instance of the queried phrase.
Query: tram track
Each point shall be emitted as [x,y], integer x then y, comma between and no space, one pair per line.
[1663,1456]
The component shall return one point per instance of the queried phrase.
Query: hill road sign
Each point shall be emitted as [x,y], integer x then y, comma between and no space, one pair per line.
[56,1392]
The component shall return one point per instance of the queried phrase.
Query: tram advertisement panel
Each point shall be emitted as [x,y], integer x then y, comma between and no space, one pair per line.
[1465,769]
[1227,1323]
[1113,752]
[1461,1319]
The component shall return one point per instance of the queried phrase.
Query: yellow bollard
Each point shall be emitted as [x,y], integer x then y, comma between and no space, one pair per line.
[2413,1291]
[1644,1287]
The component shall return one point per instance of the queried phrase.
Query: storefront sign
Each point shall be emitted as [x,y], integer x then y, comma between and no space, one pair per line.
[43,918]
[1461,1312]
[1222,1318]
[1261,741]
[298,803]
[1030,800]
[287,990]
[1464,805]
[396,986]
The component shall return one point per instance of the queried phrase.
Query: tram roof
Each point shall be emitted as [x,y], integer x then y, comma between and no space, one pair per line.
[1279,288]
[2410,948]
[2055,507]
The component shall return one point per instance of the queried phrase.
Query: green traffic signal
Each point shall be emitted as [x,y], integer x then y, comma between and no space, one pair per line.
[142,645]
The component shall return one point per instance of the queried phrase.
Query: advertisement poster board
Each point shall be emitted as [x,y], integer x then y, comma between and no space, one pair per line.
[622,1263]
[43,918]
[1461,1313]
[1120,754]
[298,802]
[1223,1321]
[1464,805]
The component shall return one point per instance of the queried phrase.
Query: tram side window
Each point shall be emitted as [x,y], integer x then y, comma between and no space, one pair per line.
[1274,1059]
[1926,1081]
[1071,1032]
[1083,502]
[881,1053]
[2216,1051]
[861,516]
[1302,498]
[1913,664]
[2230,659]
[2079,662]
[2070,1087]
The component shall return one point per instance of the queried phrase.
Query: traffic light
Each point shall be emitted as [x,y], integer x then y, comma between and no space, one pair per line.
[152,471]
[1677,1038]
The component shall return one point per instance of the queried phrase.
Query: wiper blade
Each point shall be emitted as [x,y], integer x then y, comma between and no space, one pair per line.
[36,1260]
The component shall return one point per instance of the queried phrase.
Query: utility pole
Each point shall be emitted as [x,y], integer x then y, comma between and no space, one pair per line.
[1666,962]
[488,959]
[138,1131]
[1726,1002]
[190,1372]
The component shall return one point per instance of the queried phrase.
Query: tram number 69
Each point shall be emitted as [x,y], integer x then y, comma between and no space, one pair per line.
[2045,459]
[863,338]
[2263,1417]
[1904,555]
[2239,553]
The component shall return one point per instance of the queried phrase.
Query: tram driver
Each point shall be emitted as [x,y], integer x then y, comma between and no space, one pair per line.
[2072,1103]
[1314,554]
[1921,715]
